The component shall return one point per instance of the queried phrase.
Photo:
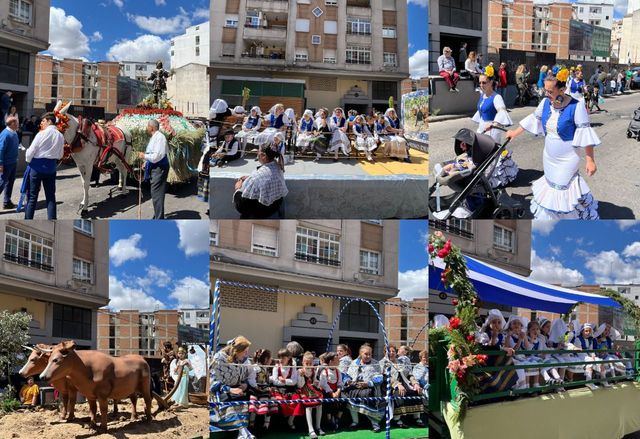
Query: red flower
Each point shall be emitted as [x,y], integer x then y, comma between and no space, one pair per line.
[471,337]
[443,253]
[454,322]
[460,374]
[431,248]
[455,302]
[482,359]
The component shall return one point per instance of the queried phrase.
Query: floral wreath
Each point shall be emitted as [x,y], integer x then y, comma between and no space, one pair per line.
[62,121]
[561,73]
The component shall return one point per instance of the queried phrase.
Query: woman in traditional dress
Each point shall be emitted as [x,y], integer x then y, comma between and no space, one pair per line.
[365,140]
[322,134]
[604,337]
[218,113]
[305,131]
[562,193]
[339,138]
[230,373]
[585,341]
[275,122]
[260,194]
[183,365]
[396,146]
[260,388]
[576,85]
[365,380]
[403,384]
[421,372]
[493,111]
[492,337]
[250,127]
[308,390]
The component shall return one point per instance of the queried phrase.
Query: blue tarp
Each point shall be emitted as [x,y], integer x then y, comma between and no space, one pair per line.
[499,286]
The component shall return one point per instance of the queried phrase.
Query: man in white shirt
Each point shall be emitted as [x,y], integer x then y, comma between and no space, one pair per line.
[43,155]
[156,167]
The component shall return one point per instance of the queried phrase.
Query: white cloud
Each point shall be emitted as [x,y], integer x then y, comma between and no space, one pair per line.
[419,64]
[413,283]
[627,224]
[556,250]
[155,276]
[610,267]
[145,48]
[97,36]
[161,2]
[543,228]
[125,297]
[421,3]
[552,271]
[632,250]
[126,249]
[65,35]
[190,292]
[202,13]
[194,237]
[162,25]
[119,3]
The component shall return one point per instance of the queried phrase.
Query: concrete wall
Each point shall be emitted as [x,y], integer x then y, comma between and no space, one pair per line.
[189,92]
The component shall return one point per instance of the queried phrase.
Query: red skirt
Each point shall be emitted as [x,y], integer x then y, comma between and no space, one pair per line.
[309,392]
[290,409]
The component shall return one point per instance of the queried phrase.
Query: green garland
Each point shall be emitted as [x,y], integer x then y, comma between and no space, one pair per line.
[629,307]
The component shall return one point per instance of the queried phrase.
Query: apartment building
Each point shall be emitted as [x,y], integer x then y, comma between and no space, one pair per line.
[309,53]
[530,26]
[57,272]
[505,244]
[195,317]
[137,70]
[136,332]
[192,47]
[407,324]
[83,83]
[24,31]
[347,259]
[629,42]
[595,12]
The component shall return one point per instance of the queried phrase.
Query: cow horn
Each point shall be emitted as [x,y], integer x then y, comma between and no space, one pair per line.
[48,351]
[28,347]
[57,107]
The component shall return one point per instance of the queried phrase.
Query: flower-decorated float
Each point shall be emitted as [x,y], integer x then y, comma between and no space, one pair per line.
[184,139]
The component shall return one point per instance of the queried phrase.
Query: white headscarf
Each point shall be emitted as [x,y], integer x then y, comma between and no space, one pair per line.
[279,135]
[218,106]
[335,115]
[257,110]
[557,331]
[523,321]
[440,321]
[239,110]
[388,112]
[585,325]
[309,113]
[493,315]
[614,334]
[289,116]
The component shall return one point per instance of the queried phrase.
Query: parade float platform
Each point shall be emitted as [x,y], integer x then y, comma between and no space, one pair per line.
[580,413]
[347,189]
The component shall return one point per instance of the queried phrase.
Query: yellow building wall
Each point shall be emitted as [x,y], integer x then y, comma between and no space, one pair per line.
[16,303]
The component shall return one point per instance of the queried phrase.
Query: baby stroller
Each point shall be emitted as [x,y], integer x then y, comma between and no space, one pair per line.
[473,196]
[633,130]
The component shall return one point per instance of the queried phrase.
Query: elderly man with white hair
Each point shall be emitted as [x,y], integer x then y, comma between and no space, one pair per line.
[156,167]
[447,69]
[9,143]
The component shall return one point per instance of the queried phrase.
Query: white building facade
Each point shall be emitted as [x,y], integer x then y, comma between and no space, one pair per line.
[595,12]
[192,47]
[137,70]
[195,317]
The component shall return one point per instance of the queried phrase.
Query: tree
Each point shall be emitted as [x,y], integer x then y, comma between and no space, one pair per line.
[14,328]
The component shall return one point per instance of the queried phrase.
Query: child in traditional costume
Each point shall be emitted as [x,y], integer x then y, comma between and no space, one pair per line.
[284,380]
[339,138]
[365,140]
[308,390]
[305,131]
[250,128]
[330,381]
[260,388]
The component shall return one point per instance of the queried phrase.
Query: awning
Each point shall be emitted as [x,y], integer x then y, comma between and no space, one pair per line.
[499,286]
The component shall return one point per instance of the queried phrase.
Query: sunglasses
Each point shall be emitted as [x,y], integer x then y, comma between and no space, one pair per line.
[483,82]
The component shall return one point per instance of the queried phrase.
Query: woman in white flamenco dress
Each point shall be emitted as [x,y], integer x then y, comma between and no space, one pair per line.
[491,110]
[562,193]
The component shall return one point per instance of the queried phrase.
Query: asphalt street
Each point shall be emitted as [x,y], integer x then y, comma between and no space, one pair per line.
[106,202]
[616,185]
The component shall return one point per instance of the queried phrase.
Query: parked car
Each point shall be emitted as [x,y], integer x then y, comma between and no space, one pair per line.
[635,79]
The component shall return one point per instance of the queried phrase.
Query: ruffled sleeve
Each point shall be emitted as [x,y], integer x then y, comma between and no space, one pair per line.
[533,122]
[476,117]
[502,117]
[585,135]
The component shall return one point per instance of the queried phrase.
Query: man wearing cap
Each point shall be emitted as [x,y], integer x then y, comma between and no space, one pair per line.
[9,143]
[447,68]
[156,167]
[228,151]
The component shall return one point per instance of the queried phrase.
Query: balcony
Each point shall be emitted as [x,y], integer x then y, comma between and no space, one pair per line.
[275,33]
[277,6]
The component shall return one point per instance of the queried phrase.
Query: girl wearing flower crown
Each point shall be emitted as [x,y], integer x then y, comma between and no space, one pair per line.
[493,111]
[562,193]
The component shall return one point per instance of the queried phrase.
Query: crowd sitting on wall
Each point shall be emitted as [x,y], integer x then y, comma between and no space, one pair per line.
[304,385]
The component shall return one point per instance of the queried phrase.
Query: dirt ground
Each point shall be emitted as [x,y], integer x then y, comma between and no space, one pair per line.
[192,422]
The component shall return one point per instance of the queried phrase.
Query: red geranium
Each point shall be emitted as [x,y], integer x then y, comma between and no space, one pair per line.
[431,248]
[471,337]
[482,359]
[454,322]
[455,302]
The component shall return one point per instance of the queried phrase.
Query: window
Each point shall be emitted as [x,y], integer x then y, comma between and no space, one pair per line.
[253,19]
[331,2]
[14,66]
[317,12]
[71,322]
[382,90]
[502,238]
[329,56]
[358,55]
[358,26]
[84,226]
[197,27]
[202,314]
[197,51]
[82,270]
[317,247]
[127,68]
[388,32]
[264,240]
[581,9]
[27,249]
[197,39]
[213,233]
[231,22]
[187,315]
[330,27]
[358,316]
[316,39]
[301,56]
[463,14]
[390,59]
[369,262]
[20,10]
[302,25]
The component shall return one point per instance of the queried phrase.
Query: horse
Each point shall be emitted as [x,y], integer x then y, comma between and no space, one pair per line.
[82,136]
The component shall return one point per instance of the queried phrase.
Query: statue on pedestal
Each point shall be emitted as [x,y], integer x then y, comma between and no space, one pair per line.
[159,79]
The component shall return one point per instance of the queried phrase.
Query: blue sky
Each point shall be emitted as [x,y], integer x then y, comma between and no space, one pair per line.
[158,264]
[412,259]
[589,252]
[140,30]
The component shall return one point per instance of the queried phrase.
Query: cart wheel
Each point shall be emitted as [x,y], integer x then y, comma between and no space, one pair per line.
[503,214]
[629,135]
[520,212]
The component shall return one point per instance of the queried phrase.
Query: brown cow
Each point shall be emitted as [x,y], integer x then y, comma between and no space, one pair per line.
[35,365]
[100,377]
